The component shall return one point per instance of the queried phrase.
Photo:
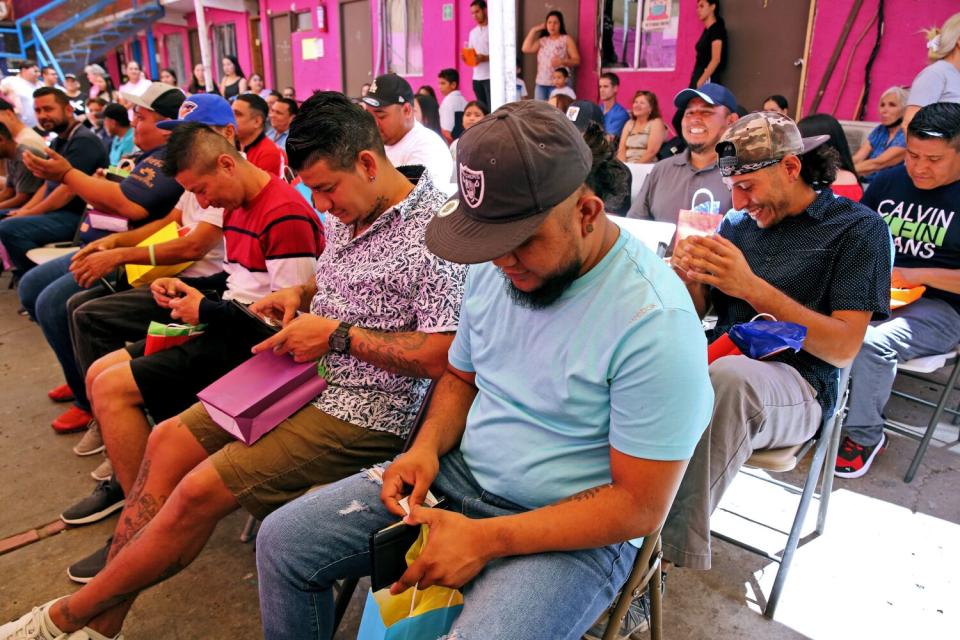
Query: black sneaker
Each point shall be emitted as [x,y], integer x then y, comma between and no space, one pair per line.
[83,571]
[854,460]
[106,498]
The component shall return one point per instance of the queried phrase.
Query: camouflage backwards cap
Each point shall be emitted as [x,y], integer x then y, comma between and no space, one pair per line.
[760,140]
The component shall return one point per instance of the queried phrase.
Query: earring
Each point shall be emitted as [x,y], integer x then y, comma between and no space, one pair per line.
[373,178]
[589,228]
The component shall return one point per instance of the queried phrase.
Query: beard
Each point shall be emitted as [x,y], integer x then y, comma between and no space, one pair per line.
[550,291]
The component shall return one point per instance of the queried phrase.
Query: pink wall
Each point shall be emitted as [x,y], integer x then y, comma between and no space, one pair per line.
[441,45]
[901,56]
[308,75]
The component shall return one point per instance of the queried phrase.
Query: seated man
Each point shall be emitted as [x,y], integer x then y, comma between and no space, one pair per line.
[801,256]
[252,115]
[282,113]
[21,184]
[672,183]
[553,445]
[406,141]
[53,213]
[917,200]
[376,272]
[22,134]
[144,196]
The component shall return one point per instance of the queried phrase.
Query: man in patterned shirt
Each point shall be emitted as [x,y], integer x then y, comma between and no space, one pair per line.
[389,312]
[791,250]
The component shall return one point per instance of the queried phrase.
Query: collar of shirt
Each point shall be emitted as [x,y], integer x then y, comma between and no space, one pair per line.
[260,137]
[684,159]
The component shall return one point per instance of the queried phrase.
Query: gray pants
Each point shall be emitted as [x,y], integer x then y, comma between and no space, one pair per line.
[103,325]
[926,327]
[757,405]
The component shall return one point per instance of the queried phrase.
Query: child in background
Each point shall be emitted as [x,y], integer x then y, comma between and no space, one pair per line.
[560,77]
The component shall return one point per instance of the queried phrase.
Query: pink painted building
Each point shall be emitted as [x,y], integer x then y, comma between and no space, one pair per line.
[779,46]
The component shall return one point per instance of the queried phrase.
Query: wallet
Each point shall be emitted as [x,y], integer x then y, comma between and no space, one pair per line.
[388,553]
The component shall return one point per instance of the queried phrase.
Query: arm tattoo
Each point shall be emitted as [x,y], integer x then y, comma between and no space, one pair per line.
[393,352]
[583,496]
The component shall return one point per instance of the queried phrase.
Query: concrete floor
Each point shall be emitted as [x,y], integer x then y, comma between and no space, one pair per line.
[885,568]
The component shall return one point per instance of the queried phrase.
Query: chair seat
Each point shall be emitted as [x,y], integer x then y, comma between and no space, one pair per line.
[927,364]
[41,255]
[776,460]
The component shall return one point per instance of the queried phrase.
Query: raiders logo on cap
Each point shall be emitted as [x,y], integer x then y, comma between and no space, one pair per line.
[472,186]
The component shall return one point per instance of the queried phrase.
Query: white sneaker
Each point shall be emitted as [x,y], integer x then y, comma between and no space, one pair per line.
[90,634]
[32,626]
[103,472]
[92,442]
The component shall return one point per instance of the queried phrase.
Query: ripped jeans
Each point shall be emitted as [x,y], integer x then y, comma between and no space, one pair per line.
[308,544]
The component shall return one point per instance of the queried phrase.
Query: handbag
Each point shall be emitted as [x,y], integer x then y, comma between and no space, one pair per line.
[141,274]
[758,339]
[415,614]
[260,394]
[166,336]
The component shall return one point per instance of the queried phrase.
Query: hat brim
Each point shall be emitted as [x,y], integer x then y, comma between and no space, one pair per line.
[811,143]
[170,125]
[681,99]
[457,237]
[135,99]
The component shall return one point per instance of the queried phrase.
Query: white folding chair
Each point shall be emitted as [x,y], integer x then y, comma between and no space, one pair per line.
[651,233]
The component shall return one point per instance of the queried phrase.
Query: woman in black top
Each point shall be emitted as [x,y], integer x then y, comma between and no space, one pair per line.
[711,47]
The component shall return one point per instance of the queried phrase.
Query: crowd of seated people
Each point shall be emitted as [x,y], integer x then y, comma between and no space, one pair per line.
[542,467]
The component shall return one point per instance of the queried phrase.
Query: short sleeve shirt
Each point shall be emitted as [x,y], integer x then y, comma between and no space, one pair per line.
[149,186]
[619,360]
[614,119]
[84,152]
[193,214]
[480,41]
[938,82]
[835,256]
[19,177]
[704,49]
[453,103]
[421,146]
[264,153]
[671,186]
[923,223]
[880,140]
[385,280]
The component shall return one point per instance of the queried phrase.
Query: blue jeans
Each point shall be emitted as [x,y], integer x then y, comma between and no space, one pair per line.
[44,291]
[926,327]
[542,91]
[305,546]
[20,235]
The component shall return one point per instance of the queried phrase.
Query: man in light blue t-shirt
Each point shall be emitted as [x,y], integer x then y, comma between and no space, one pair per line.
[576,390]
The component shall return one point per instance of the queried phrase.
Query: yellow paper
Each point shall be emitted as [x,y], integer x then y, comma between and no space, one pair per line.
[393,609]
[141,274]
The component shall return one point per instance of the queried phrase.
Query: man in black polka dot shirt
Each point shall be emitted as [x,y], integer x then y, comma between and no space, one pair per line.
[793,250]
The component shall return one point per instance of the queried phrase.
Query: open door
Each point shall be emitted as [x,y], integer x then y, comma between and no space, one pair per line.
[280,30]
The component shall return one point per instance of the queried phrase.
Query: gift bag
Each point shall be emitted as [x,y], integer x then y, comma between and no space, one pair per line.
[141,274]
[469,56]
[165,336]
[97,224]
[758,339]
[700,219]
[415,614]
[260,394]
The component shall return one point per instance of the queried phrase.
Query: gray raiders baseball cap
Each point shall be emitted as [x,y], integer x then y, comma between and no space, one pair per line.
[512,168]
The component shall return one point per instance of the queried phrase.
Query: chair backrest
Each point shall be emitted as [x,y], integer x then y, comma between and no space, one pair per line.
[650,232]
[457,124]
[421,415]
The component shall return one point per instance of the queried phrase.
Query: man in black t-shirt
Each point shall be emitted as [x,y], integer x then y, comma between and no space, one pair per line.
[54,211]
[919,202]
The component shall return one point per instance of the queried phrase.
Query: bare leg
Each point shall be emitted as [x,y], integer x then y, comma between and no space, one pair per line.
[124,427]
[145,554]
[101,365]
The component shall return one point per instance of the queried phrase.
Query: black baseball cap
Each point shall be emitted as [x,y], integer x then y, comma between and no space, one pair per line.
[388,89]
[513,167]
[582,112]
[117,112]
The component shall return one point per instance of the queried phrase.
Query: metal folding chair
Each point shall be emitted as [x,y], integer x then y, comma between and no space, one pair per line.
[645,575]
[913,369]
[825,445]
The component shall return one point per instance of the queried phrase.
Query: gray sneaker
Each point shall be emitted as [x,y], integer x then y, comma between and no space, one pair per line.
[637,620]
[103,472]
[92,442]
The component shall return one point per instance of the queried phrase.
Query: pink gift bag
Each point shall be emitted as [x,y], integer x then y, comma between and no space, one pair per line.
[260,394]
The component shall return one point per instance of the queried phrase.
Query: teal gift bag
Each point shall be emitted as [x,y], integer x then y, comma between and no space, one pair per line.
[414,614]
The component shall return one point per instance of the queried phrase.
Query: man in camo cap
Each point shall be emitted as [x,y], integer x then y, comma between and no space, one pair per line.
[791,250]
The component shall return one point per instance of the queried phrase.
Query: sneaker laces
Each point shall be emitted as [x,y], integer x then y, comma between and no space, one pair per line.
[850,449]
[33,628]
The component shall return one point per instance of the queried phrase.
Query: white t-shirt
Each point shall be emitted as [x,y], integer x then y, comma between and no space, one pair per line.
[193,214]
[938,82]
[30,138]
[137,88]
[423,146]
[480,40]
[24,91]
[564,91]
[452,103]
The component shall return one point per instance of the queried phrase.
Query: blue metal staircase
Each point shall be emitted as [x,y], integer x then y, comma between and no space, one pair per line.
[69,34]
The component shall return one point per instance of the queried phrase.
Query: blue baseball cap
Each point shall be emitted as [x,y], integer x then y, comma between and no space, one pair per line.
[205,108]
[711,93]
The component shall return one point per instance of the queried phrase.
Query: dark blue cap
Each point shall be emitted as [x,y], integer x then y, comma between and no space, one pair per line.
[711,93]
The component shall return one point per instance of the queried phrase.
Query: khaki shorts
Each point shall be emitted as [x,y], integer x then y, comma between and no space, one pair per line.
[308,448]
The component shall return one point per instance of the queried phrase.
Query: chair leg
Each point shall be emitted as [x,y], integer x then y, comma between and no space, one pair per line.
[826,485]
[934,421]
[656,601]
[249,531]
[809,488]
[347,587]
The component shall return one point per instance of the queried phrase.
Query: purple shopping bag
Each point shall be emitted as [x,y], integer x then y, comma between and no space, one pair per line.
[260,394]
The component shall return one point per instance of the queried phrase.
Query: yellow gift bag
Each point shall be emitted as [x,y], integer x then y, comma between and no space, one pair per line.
[141,274]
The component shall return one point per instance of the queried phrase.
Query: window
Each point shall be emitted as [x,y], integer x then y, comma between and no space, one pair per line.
[224,44]
[303,21]
[174,45]
[404,36]
[640,34]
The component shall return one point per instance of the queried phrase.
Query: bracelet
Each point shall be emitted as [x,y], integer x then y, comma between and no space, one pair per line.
[63,177]
[153,258]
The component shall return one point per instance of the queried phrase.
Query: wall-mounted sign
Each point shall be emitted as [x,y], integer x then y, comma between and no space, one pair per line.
[447,12]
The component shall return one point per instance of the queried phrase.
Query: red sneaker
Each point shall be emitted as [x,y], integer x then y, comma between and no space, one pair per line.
[61,394]
[72,420]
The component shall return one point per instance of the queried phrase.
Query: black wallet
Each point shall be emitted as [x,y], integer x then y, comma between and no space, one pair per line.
[388,553]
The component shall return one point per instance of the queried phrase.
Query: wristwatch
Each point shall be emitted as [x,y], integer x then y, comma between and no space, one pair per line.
[340,338]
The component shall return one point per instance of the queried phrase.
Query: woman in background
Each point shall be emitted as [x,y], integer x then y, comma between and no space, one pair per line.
[885,146]
[644,132]
[554,48]
[473,113]
[778,104]
[169,76]
[847,183]
[427,112]
[940,80]
[711,48]
[198,82]
[233,82]
[256,86]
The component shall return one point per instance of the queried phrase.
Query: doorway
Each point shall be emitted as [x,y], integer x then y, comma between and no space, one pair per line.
[256,46]
[752,77]
[532,12]
[280,30]
[356,37]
